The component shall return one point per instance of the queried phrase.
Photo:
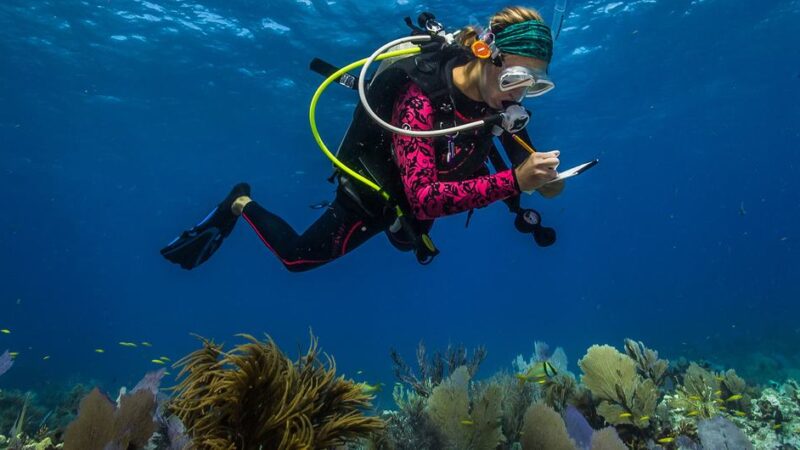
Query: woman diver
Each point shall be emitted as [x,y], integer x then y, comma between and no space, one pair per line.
[472,77]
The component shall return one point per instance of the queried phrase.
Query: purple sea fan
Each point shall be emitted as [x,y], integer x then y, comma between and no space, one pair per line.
[6,361]
[720,433]
[578,428]
[176,432]
[151,382]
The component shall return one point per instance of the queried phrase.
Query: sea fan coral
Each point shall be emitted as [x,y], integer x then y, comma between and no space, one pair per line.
[544,429]
[462,427]
[625,397]
[100,425]
[719,433]
[607,439]
[254,396]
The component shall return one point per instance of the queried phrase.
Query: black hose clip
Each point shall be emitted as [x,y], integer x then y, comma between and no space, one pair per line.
[530,221]
[426,24]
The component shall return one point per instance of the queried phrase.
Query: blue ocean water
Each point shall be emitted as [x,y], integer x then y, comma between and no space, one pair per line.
[123,122]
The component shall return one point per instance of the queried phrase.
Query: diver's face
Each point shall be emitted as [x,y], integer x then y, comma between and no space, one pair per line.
[489,83]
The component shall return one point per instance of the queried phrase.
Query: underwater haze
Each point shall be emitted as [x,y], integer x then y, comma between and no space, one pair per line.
[123,122]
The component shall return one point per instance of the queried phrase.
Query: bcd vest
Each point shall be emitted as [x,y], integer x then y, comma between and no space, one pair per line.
[367,147]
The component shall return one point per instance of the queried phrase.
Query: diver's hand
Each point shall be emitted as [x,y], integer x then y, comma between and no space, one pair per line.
[536,170]
[550,190]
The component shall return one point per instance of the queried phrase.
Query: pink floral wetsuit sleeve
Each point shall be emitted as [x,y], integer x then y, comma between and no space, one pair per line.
[430,198]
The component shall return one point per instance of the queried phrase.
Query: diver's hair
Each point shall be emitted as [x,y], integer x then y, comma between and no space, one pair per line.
[501,19]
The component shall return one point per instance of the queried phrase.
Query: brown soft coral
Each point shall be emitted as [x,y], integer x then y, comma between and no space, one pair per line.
[101,425]
[254,396]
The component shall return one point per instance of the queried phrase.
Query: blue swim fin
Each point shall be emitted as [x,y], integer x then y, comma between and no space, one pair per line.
[195,245]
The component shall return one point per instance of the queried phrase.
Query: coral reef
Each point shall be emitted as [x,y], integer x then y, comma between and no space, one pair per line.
[254,396]
[774,418]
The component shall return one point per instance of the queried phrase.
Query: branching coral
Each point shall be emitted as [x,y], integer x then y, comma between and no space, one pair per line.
[254,396]
[515,399]
[648,364]
[704,394]
[625,397]
[559,391]
[433,371]
[410,428]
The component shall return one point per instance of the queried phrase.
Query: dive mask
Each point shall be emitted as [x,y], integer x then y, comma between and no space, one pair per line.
[534,81]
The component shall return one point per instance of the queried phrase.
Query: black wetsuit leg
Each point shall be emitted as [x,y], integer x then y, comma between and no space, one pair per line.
[341,228]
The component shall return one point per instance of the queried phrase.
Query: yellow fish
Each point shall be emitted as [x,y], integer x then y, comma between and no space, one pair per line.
[695,397]
[719,378]
[734,397]
[367,388]
[777,426]
[665,440]
[99,350]
[718,392]
[740,413]
[46,357]
[693,413]
[157,361]
[164,358]
[625,415]
[467,422]
[167,373]
[538,372]
[13,354]
[127,344]
[644,418]
[147,344]
[5,331]
[719,400]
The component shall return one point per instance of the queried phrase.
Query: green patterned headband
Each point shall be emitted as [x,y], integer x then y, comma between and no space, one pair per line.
[530,38]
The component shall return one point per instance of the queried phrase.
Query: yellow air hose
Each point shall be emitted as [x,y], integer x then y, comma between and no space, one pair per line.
[313,121]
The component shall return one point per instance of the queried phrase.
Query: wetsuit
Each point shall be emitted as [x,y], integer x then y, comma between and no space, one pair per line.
[430,190]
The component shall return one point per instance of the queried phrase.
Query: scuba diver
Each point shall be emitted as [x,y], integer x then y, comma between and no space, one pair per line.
[411,140]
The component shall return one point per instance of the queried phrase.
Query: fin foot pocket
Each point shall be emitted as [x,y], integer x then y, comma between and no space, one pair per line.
[195,245]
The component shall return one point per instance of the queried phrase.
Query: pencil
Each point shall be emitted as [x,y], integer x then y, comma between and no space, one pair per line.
[524,144]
